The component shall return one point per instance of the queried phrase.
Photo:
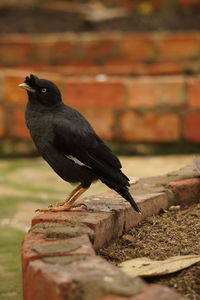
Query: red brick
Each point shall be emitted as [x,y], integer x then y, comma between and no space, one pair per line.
[98,48]
[149,203]
[124,67]
[166,67]
[52,52]
[14,94]
[158,292]
[13,53]
[2,122]
[138,46]
[102,121]
[179,46]
[192,127]
[151,92]
[194,92]
[186,191]
[19,128]
[150,127]
[37,239]
[100,222]
[90,94]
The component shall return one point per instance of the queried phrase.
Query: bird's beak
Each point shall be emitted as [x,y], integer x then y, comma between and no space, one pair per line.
[26,87]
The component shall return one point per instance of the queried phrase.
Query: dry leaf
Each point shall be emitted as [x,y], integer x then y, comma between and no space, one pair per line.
[146,267]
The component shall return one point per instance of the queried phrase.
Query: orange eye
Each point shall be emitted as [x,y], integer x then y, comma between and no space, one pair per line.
[44,90]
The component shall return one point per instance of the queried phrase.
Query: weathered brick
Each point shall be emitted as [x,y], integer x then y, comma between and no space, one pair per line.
[102,121]
[138,46]
[194,92]
[37,245]
[59,282]
[19,128]
[99,221]
[149,203]
[192,127]
[90,94]
[150,92]
[150,127]
[179,46]
[158,292]
[186,191]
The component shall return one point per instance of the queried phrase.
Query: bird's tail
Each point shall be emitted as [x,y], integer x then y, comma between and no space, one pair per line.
[126,195]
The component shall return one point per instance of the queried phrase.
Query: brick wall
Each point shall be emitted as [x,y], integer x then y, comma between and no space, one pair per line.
[144,109]
[112,53]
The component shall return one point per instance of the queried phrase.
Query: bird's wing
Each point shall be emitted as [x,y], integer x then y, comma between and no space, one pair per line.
[75,137]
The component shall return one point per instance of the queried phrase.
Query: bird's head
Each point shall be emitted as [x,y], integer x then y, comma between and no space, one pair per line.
[42,91]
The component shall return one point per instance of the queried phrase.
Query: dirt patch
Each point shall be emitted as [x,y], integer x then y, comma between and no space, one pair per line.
[158,237]
[36,20]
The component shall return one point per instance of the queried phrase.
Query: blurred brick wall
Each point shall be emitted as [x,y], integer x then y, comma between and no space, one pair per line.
[131,87]
[111,53]
[145,109]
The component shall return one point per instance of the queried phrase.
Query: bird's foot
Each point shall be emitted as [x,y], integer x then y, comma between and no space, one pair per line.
[64,207]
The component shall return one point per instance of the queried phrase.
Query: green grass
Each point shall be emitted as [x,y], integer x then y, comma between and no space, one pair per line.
[10,265]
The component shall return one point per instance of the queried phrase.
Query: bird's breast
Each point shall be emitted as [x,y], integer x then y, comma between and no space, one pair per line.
[41,128]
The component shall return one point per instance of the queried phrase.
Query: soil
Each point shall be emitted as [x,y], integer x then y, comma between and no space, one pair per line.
[36,20]
[158,237]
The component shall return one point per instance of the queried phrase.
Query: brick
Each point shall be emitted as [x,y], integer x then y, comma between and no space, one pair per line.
[194,92]
[124,67]
[186,191]
[179,46]
[166,67]
[60,282]
[2,122]
[151,92]
[102,121]
[91,94]
[101,222]
[150,127]
[38,246]
[80,68]
[138,46]
[149,203]
[19,130]
[158,292]
[52,52]
[13,94]
[13,53]
[98,48]
[192,127]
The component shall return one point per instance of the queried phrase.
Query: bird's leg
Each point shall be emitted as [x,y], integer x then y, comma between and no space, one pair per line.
[68,203]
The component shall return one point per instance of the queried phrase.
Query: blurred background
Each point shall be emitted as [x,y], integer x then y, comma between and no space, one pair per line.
[131,67]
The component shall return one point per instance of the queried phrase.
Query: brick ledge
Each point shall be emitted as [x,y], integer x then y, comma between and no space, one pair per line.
[58,254]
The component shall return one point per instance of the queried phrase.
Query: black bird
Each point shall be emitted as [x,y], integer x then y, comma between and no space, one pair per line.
[69,144]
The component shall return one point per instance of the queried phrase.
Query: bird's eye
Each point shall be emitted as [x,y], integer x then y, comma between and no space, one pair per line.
[43,90]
